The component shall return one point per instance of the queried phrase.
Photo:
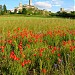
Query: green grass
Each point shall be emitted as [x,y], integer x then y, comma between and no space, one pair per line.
[34,23]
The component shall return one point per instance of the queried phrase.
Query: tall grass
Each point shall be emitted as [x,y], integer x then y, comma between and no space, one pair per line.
[37,46]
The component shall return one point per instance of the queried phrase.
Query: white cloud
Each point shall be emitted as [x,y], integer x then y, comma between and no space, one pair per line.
[74,8]
[56,2]
[71,8]
[48,4]
[44,5]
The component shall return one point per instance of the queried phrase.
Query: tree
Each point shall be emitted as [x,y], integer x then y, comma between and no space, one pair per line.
[65,14]
[4,8]
[2,13]
[24,11]
[0,9]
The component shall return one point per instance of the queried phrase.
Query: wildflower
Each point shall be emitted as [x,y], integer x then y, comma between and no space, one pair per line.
[2,50]
[52,51]
[9,41]
[74,47]
[50,33]
[54,48]
[34,54]
[71,48]
[41,40]
[49,47]
[36,40]
[58,49]
[59,55]
[59,60]
[42,49]
[2,47]
[18,28]
[13,56]
[64,34]
[44,70]
[64,43]
[22,64]
[25,62]
[55,65]
[40,54]
[20,45]
[8,33]
[30,40]
[28,45]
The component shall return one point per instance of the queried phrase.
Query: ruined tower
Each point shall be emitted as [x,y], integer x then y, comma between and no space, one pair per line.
[61,9]
[30,2]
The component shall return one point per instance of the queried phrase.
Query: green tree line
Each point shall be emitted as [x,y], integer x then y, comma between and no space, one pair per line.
[32,11]
[3,9]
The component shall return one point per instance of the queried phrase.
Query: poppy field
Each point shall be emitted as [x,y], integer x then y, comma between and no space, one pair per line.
[37,46]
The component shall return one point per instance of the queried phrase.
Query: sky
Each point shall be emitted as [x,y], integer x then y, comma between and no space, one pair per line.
[50,5]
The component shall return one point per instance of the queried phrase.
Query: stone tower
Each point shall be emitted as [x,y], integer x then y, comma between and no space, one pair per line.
[20,4]
[20,7]
[61,9]
[30,2]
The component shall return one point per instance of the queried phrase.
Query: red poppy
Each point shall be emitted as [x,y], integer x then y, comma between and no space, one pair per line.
[71,48]
[34,54]
[52,51]
[44,70]
[40,54]
[18,28]
[2,50]
[10,41]
[13,56]
[59,55]
[25,62]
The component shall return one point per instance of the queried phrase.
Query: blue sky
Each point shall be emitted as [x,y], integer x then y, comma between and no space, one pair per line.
[51,5]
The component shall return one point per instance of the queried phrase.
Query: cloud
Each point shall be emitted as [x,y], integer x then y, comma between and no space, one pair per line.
[74,8]
[56,2]
[71,8]
[43,5]
[48,4]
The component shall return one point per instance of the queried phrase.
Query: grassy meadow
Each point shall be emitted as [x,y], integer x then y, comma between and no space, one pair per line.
[37,46]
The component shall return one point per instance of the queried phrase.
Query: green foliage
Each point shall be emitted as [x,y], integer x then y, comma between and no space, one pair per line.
[2,13]
[24,11]
[65,14]
[4,8]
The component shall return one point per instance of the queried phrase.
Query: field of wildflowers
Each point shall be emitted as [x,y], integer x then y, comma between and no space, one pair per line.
[37,46]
